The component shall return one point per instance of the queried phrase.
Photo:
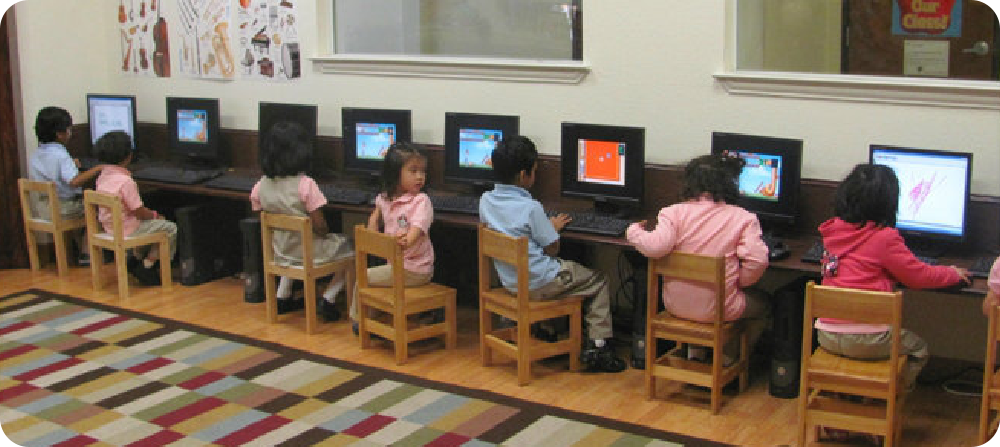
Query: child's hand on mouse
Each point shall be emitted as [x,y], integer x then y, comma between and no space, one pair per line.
[964,273]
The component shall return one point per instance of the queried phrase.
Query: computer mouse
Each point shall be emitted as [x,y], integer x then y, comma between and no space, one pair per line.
[778,252]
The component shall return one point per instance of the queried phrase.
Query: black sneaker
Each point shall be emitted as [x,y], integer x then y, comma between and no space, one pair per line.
[290,305]
[83,259]
[329,310]
[147,276]
[601,359]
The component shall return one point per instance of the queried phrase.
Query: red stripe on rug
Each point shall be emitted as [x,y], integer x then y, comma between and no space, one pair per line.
[202,380]
[100,325]
[149,365]
[14,352]
[189,411]
[160,438]
[48,369]
[16,327]
[252,431]
[368,426]
[77,440]
[448,440]
[16,390]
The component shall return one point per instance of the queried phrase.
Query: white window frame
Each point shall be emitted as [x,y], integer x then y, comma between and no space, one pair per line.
[492,69]
[955,93]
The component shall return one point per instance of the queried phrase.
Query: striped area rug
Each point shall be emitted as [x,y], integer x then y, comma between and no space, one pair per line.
[79,373]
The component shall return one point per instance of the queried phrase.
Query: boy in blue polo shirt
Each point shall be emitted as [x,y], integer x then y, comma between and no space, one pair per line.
[510,209]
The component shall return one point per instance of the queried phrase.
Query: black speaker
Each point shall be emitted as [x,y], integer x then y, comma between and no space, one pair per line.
[253,260]
[207,241]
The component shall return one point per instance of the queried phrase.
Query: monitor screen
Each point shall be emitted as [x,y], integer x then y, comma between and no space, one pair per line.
[469,140]
[769,182]
[603,162]
[193,127]
[110,112]
[272,112]
[368,133]
[933,190]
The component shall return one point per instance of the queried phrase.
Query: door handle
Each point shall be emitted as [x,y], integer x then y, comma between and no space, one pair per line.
[980,48]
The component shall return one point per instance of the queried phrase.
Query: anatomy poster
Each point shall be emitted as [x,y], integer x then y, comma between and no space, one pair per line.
[268,41]
[204,49]
[144,42]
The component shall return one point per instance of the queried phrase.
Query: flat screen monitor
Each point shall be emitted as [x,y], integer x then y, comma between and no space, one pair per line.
[603,162]
[469,139]
[272,112]
[769,183]
[110,112]
[193,127]
[368,133]
[933,191]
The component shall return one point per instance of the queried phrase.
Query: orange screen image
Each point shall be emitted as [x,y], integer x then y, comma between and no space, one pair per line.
[601,161]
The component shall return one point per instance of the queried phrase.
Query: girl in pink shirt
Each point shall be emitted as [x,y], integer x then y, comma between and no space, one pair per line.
[706,223]
[404,211]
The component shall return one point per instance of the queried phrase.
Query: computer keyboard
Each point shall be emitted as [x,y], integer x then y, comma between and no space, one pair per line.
[233,182]
[814,255]
[455,204]
[172,174]
[981,266]
[346,195]
[776,248]
[593,223]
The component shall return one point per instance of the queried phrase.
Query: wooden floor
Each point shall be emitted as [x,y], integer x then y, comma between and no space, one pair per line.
[932,417]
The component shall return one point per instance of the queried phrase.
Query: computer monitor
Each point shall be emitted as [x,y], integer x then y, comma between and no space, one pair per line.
[193,128]
[271,112]
[110,112]
[769,183]
[933,194]
[469,139]
[605,163]
[368,133]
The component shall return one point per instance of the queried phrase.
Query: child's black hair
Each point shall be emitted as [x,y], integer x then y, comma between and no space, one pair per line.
[716,174]
[870,193]
[392,166]
[113,147]
[511,156]
[50,121]
[287,150]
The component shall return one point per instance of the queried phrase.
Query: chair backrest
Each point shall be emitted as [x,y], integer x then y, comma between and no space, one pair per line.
[374,243]
[33,193]
[498,247]
[706,269]
[270,222]
[92,202]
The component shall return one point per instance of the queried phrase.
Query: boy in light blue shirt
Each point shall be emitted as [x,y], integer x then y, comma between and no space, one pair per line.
[51,162]
[510,209]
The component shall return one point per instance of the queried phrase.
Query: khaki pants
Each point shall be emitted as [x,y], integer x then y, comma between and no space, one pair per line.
[156,226]
[876,346]
[381,276]
[575,279]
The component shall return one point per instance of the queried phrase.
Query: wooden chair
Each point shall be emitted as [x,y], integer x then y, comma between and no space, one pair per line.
[825,375]
[117,242]
[56,225]
[517,342]
[715,335]
[991,380]
[398,301]
[308,272]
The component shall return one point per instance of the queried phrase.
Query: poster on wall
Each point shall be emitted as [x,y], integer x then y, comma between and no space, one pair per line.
[144,38]
[928,18]
[268,40]
[204,49]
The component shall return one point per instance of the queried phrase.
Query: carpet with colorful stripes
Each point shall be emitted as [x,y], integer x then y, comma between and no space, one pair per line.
[79,373]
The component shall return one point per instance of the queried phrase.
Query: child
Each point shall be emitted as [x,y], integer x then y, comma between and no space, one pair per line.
[993,288]
[115,149]
[706,222]
[510,209]
[52,163]
[404,211]
[865,251]
[284,157]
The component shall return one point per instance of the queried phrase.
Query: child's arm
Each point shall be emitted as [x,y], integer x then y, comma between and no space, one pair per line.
[86,176]
[752,253]
[143,213]
[313,199]
[418,222]
[914,273]
[657,243]
[559,222]
[374,219]
[410,236]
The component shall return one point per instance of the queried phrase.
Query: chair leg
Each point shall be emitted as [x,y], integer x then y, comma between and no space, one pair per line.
[451,319]
[271,297]
[485,327]
[576,335]
[310,297]
[121,262]
[401,341]
[984,416]
[96,265]
[523,352]
[165,268]
[33,251]
[363,335]
[348,286]
[62,263]
[650,364]
[716,382]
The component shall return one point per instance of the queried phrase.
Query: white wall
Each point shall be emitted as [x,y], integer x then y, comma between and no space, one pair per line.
[652,64]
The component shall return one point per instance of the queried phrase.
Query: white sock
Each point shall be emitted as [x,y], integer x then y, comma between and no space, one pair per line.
[336,285]
[599,342]
[284,288]
[147,263]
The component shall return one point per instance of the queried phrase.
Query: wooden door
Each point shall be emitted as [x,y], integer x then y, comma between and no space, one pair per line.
[871,48]
[13,251]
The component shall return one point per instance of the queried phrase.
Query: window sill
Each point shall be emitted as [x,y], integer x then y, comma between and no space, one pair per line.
[506,70]
[872,89]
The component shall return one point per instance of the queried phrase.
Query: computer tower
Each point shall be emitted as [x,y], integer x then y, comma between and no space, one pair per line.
[253,260]
[786,347]
[207,243]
